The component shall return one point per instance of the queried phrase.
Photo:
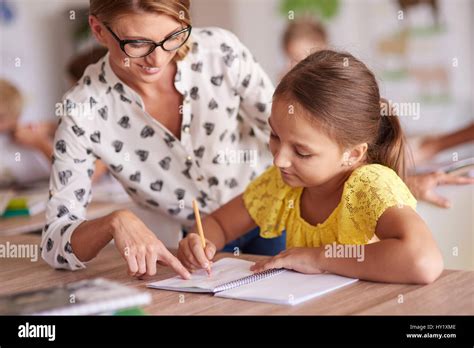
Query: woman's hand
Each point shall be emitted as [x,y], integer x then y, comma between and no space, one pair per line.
[192,254]
[141,248]
[304,260]
[422,186]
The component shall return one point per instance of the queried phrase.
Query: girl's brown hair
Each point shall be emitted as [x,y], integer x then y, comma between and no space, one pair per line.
[343,95]
[109,10]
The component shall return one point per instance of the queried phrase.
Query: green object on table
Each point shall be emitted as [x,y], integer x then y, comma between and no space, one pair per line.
[16,207]
[15,212]
[130,311]
[17,204]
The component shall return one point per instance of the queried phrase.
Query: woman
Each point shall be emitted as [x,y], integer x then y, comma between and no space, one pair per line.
[174,116]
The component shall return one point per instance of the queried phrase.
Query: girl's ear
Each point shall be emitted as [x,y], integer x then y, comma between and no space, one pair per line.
[97,30]
[355,155]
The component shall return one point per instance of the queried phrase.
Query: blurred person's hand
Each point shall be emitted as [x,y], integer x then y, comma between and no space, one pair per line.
[35,136]
[32,135]
[426,149]
[100,170]
[422,186]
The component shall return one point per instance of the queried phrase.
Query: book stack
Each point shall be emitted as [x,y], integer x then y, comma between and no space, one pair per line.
[92,296]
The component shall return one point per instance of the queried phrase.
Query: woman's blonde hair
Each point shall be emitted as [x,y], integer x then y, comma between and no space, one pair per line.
[109,10]
[11,99]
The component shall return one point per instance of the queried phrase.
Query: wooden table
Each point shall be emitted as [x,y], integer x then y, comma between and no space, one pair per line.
[452,293]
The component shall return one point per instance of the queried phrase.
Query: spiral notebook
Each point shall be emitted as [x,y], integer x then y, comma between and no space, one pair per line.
[232,278]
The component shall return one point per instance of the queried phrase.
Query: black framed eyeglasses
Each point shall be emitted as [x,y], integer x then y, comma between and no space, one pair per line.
[142,48]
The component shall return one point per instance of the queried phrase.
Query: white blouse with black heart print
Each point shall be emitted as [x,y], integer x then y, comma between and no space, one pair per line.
[223,144]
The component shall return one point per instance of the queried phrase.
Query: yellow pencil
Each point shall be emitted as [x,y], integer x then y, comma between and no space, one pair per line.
[200,231]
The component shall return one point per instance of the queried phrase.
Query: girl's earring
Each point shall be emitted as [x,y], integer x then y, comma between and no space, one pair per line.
[346,161]
[346,164]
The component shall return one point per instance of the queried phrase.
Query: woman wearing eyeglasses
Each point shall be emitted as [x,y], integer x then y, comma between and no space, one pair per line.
[176,113]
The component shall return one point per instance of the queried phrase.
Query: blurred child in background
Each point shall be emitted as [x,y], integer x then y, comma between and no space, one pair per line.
[36,136]
[301,38]
[26,149]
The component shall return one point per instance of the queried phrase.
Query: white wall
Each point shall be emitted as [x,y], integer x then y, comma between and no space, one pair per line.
[256,23]
[39,39]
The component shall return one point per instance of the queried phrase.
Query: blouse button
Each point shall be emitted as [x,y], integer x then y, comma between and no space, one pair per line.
[189,158]
[186,129]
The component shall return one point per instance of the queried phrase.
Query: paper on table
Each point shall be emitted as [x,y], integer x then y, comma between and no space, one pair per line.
[223,271]
[289,288]
[285,287]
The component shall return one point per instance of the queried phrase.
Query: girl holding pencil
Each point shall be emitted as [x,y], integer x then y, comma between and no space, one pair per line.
[339,161]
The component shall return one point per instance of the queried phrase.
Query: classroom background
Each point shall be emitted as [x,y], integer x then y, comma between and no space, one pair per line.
[425,57]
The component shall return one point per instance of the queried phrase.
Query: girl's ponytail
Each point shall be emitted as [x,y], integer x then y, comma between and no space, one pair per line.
[389,148]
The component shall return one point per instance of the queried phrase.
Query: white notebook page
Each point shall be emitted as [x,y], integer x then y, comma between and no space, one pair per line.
[223,271]
[289,288]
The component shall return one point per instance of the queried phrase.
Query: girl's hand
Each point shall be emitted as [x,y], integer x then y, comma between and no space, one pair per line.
[141,248]
[304,260]
[192,254]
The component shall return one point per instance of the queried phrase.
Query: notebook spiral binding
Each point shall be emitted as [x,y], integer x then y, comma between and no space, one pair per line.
[249,279]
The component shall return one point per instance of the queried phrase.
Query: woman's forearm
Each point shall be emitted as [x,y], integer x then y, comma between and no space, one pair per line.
[390,260]
[92,236]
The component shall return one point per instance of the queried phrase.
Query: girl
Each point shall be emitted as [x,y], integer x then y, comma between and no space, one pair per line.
[338,158]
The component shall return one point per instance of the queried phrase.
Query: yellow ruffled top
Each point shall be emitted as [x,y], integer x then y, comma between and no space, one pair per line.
[367,193]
